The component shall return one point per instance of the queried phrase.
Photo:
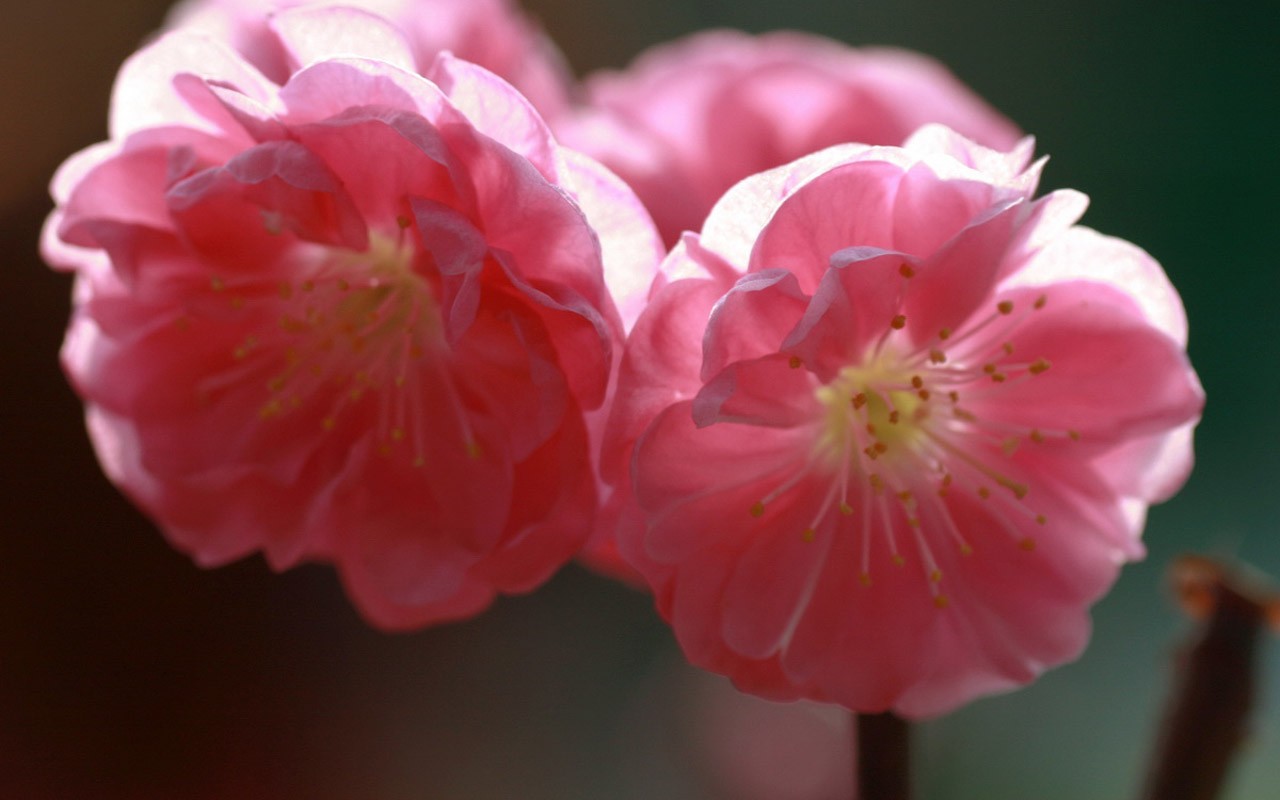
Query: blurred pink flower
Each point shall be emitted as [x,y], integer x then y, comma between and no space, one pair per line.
[689,119]
[894,425]
[358,317]
[495,34]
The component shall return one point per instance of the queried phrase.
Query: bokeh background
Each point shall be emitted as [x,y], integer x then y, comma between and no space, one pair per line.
[126,672]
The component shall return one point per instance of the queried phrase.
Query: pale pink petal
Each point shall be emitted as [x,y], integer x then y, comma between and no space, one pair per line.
[145,95]
[1083,254]
[311,34]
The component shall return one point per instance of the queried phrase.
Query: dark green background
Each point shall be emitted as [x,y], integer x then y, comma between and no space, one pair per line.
[125,672]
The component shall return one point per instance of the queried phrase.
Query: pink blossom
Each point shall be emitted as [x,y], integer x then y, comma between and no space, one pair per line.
[689,119]
[356,318]
[894,425]
[495,34]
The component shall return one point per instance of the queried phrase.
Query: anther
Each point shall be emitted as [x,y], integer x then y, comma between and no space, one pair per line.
[944,334]
[1027,544]
[937,356]
[846,509]
[757,509]
[859,400]
[808,534]
[795,362]
[935,576]
[906,271]
[940,602]
[864,579]
[1040,301]
[917,382]
[898,560]
[1005,307]
[1040,365]
[899,322]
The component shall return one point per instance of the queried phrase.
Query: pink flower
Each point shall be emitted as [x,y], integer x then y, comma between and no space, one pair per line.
[894,426]
[358,317]
[492,33]
[689,119]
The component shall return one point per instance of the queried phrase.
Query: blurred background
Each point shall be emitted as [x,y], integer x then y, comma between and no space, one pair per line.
[126,672]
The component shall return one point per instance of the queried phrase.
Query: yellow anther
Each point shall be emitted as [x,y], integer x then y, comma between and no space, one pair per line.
[271,409]
[403,221]
[1019,489]
[936,576]
[955,396]
[893,417]
[944,334]
[913,522]
[864,579]
[808,534]
[1007,347]
[1073,435]
[308,285]
[906,271]
[999,377]
[899,322]
[1040,365]
[871,429]
[877,483]
[898,560]
[1010,445]
[984,492]
[757,509]
[795,362]
[966,550]
[937,356]
[870,452]
[880,447]
[923,394]
[1040,301]
[397,434]
[1005,307]
[940,602]
[327,423]
[859,400]
[1041,519]
[1027,544]
[846,509]
[989,368]
[1036,436]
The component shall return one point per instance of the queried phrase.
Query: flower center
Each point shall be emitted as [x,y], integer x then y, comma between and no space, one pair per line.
[356,339]
[880,399]
[902,431]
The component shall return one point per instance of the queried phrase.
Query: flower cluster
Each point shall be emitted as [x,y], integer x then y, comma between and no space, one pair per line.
[378,286]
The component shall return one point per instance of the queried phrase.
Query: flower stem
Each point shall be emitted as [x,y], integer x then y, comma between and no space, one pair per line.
[1207,714]
[883,760]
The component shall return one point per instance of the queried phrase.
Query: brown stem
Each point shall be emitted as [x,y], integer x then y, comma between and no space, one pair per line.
[1208,711]
[883,757]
